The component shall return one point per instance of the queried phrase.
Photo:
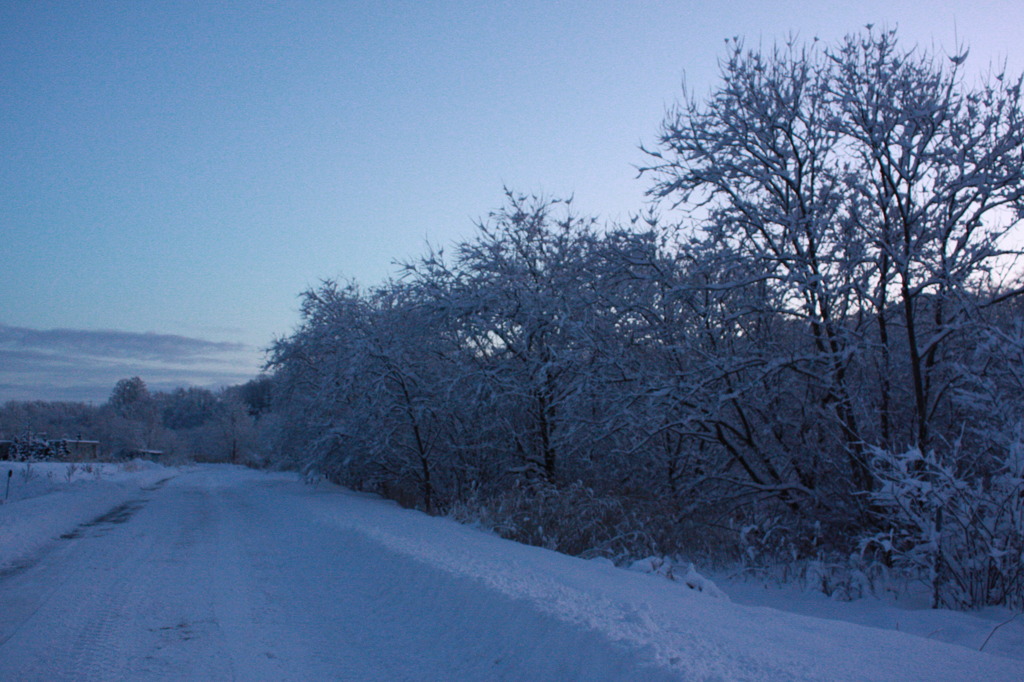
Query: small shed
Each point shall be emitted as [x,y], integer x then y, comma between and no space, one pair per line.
[141,453]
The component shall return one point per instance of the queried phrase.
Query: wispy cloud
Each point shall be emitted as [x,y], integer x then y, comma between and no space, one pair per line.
[79,364]
[106,343]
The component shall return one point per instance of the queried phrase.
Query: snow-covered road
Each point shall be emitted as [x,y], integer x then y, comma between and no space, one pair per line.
[221,573]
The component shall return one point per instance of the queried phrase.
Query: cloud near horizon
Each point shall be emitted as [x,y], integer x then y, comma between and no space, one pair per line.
[84,365]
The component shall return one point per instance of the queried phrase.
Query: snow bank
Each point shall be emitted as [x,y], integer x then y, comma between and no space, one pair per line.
[998,630]
[48,499]
[685,574]
[680,631]
[334,580]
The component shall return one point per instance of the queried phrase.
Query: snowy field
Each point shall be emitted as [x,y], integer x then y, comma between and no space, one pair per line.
[218,572]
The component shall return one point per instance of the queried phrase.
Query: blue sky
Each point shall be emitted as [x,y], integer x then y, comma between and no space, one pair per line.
[185,170]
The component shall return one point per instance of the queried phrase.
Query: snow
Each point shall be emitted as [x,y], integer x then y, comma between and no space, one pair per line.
[910,614]
[686,574]
[218,572]
[41,500]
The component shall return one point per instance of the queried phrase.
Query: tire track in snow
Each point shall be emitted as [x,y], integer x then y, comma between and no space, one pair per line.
[110,598]
[82,588]
[93,655]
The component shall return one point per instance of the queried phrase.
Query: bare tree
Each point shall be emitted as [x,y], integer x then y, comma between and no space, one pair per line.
[863,187]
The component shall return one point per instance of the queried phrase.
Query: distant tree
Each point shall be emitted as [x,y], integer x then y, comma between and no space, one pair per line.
[130,398]
[133,422]
[234,430]
[187,408]
[257,395]
[54,419]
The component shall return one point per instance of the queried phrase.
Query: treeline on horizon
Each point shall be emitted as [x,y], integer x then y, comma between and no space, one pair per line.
[184,424]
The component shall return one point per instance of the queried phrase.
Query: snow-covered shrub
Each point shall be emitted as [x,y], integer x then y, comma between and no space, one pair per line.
[779,545]
[767,543]
[961,529]
[28,473]
[683,572]
[842,580]
[30,447]
[783,550]
[572,519]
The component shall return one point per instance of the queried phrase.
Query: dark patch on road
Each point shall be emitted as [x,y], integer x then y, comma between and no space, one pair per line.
[15,568]
[183,630]
[102,524]
[156,486]
[119,514]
